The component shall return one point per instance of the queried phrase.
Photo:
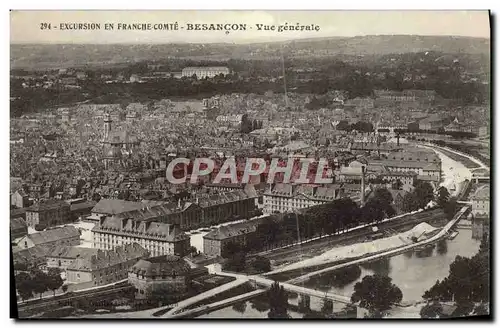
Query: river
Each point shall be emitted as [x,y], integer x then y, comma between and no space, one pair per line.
[412,273]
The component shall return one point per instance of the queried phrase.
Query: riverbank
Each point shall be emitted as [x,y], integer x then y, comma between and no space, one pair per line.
[420,232]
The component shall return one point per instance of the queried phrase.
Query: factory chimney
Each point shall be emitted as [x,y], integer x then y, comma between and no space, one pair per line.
[362,185]
[397,136]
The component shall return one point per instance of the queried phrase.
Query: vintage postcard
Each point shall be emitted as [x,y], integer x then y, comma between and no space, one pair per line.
[250,164]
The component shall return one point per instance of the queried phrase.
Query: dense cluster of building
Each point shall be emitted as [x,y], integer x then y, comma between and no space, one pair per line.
[105,166]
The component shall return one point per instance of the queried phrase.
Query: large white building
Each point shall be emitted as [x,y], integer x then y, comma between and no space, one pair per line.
[202,72]
[158,238]
[285,198]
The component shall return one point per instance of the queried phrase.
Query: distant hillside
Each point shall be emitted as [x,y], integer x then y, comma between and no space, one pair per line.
[386,44]
[52,56]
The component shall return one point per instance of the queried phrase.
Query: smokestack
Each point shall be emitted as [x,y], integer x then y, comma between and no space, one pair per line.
[362,185]
[398,139]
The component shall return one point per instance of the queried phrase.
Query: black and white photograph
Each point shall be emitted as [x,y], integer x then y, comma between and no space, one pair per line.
[250,164]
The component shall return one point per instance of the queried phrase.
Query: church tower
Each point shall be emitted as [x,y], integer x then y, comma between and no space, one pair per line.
[107,125]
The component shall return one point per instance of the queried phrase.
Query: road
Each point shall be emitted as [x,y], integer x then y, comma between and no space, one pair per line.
[389,253]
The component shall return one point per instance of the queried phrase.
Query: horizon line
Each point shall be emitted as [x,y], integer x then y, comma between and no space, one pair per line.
[247,42]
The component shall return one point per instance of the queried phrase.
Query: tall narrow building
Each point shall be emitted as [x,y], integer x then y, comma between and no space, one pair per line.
[107,125]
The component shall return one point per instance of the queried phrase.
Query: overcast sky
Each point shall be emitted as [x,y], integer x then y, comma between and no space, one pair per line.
[25,25]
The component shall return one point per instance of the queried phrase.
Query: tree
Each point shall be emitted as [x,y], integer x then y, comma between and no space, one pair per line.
[450,208]
[464,308]
[442,246]
[431,311]
[54,280]
[41,280]
[424,193]
[259,304]
[278,302]
[25,285]
[468,281]
[40,227]
[261,264]
[376,293]
[373,211]
[374,315]
[240,307]
[20,266]
[410,202]
[383,198]
[312,315]
[443,196]
[482,309]
[327,306]
[231,248]
[341,277]
[237,262]
[192,250]
[64,288]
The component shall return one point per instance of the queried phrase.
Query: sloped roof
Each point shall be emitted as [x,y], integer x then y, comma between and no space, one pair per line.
[401,174]
[71,252]
[166,265]
[18,212]
[107,258]
[233,230]
[52,235]
[344,170]
[116,206]
[83,205]
[157,230]
[410,164]
[48,205]
[17,223]
[396,193]
[30,255]
[223,198]
[414,155]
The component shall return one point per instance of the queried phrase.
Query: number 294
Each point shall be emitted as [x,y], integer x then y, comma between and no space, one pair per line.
[45,26]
